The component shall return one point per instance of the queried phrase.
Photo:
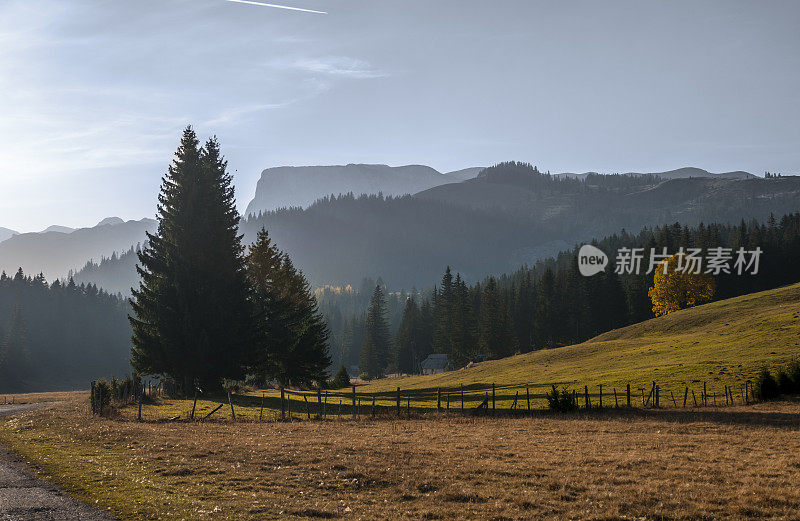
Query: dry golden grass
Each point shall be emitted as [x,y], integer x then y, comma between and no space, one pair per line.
[39,397]
[737,462]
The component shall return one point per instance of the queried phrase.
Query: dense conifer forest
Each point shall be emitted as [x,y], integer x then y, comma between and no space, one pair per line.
[59,336]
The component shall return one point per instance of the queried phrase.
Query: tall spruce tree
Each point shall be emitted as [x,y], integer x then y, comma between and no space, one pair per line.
[496,334]
[376,347]
[444,302]
[193,320]
[463,334]
[294,341]
[408,337]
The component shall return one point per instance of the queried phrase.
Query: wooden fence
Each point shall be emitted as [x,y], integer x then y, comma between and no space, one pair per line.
[352,404]
[478,399]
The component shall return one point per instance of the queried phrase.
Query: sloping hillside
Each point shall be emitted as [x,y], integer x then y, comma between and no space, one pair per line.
[722,343]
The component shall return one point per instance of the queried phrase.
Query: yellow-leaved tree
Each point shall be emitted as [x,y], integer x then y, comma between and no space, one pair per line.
[676,289]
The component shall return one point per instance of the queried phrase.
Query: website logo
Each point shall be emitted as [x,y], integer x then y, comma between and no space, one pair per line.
[591,260]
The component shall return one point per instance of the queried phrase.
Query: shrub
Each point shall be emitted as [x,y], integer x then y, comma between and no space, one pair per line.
[342,379]
[785,383]
[765,387]
[560,400]
[794,376]
[103,392]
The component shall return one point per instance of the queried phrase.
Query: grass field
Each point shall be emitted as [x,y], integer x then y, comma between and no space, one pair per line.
[697,463]
[721,343]
[730,463]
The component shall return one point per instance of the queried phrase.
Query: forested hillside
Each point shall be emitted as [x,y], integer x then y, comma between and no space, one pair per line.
[551,304]
[59,336]
[510,215]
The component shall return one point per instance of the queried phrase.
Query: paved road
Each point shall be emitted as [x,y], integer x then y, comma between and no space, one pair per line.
[23,497]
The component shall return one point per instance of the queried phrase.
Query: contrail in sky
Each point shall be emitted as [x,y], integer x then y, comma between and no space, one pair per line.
[278,6]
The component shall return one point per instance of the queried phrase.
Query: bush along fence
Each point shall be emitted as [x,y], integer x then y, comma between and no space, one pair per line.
[105,393]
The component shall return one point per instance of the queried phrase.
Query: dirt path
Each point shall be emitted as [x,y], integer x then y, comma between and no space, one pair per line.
[24,497]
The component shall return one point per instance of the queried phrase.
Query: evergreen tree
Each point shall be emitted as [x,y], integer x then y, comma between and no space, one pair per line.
[294,334]
[523,313]
[408,338]
[342,379]
[14,353]
[496,335]
[444,301]
[375,348]
[462,335]
[192,315]
[543,317]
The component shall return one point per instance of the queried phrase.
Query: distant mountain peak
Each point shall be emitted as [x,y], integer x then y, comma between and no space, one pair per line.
[110,221]
[58,229]
[6,233]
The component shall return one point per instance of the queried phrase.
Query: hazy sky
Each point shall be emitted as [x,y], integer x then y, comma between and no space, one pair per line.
[94,94]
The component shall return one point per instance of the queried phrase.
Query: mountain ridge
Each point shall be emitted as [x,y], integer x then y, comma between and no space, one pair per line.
[300,186]
[55,254]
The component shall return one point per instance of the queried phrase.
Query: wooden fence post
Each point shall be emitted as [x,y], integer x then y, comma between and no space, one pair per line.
[586,396]
[685,396]
[373,406]
[261,411]
[325,407]
[354,402]
[694,398]
[319,403]
[493,401]
[705,396]
[462,397]
[194,404]
[283,405]
[308,410]
[438,398]
[230,402]
[674,403]
[616,403]
[528,397]
[628,394]
[398,402]
[601,396]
